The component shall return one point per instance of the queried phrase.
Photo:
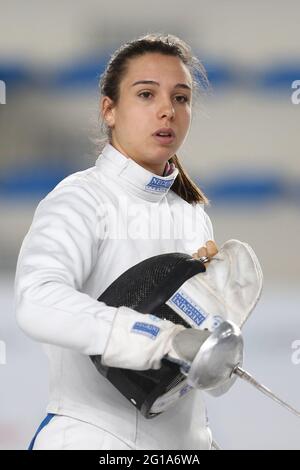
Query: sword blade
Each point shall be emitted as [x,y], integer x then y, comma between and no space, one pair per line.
[248,378]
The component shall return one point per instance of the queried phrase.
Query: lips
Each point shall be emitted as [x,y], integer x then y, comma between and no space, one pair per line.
[165,130]
[165,135]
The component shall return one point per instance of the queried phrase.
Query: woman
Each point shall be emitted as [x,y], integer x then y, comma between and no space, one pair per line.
[136,202]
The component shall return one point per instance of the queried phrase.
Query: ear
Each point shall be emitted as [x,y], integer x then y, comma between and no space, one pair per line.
[107,111]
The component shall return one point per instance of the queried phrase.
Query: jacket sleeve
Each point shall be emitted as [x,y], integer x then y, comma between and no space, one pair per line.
[56,257]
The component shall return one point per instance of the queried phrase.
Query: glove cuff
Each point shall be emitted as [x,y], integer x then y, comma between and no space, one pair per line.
[138,341]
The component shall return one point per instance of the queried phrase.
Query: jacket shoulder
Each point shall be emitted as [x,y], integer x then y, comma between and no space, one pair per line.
[85,182]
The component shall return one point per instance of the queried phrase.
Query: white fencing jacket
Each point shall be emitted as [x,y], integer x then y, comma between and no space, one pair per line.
[94,225]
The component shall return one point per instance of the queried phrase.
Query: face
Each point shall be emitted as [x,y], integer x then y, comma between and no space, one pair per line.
[144,108]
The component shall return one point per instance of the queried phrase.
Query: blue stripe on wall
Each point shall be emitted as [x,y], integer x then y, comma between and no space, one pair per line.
[86,73]
[235,188]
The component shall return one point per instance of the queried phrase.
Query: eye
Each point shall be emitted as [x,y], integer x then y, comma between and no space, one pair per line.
[179,98]
[184,100]
[145,93]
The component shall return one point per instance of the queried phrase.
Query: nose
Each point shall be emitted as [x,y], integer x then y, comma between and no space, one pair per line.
[166,110]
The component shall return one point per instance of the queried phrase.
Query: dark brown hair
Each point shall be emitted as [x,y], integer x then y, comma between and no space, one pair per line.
[115,71]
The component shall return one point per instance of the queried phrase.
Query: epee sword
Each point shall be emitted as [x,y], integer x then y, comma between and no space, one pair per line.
[218,362]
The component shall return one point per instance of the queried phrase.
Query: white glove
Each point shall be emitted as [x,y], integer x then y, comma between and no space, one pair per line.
[228,290]
[138,341]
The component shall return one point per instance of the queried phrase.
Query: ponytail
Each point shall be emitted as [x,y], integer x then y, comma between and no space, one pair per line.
[185,187]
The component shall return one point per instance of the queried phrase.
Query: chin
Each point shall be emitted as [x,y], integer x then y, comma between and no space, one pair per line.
[164,153]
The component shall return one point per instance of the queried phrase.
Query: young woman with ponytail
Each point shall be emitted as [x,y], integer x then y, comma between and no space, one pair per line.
[136,202]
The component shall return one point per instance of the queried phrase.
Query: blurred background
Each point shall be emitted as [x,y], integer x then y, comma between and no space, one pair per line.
[243,150]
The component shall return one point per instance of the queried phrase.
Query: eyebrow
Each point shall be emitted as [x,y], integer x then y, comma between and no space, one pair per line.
[151,82]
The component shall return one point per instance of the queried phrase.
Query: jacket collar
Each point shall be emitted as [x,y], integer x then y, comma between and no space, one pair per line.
[132,176]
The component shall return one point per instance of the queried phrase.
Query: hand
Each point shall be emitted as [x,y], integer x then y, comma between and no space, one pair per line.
[210,249]
[138,341]
[185,346]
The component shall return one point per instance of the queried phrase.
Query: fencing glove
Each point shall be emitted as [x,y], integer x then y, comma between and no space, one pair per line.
[228,290]
[140,341]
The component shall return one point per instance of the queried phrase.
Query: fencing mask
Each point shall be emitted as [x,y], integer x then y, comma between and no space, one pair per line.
[179,288]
